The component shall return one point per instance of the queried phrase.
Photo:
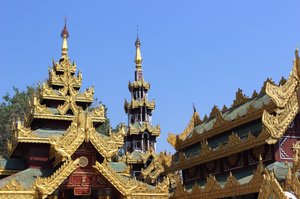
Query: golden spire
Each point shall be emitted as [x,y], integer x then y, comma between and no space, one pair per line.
[64,35]
[138,57]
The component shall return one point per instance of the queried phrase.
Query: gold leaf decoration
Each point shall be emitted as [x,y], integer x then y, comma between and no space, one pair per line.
[231,182]
[48,185]
[240,98]
[285,98]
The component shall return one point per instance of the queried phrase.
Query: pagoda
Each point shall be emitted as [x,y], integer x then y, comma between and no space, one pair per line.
[246,150]
[140,141]
[57,152]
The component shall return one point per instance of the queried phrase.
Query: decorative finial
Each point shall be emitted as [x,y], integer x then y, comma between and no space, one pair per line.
[194,108]
[65,34]
[297,62]
[138,57]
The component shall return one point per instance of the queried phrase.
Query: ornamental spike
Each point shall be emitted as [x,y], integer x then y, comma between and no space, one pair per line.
[64,35]
[138,57]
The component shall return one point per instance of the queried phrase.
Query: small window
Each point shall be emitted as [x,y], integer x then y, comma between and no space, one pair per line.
[138,145]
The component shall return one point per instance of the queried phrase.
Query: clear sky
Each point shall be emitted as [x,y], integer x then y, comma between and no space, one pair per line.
[193,51]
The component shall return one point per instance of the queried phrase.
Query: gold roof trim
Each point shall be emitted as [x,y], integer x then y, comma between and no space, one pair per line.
[133,130]
[13,185]
[130,187]
[69,142]
[82,129]
[14,190]
[23,134]
[98,114]
[156,167]
[139,103]
[270,187]
[64,66]
[234,145]
[194,121]
[48,92]
[47,186]
[240,98]
[252,114]
[231,188]
[125,188]
[286,101]
[108,147]
[4,172]
[144,157]
[138,84]
[69,104]
[220,126]
[66,78]
[43,112]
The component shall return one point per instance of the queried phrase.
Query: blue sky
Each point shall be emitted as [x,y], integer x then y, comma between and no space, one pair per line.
[193,51]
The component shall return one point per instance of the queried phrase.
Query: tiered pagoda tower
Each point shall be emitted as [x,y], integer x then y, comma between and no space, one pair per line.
[57,151]
[140,142]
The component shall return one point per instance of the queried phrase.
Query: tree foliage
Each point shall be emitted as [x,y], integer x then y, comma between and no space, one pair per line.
[10,109]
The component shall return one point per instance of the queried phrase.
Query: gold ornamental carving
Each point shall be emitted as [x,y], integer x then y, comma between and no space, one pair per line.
[82,129]
[220,125]
[13,185]
[270,187]
[65,79]
[145,127]
[107,146]
[240,98]
[194,121]
[156,167]
[39,108]
[231,182]
[286,101]
[139,103]
[211,184]
[68,104]
[47,186]
[139,84]
[231,187]
[133,188]
[235,145]
[83,161]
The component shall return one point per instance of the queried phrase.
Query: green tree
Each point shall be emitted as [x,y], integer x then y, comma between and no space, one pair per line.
[12,108]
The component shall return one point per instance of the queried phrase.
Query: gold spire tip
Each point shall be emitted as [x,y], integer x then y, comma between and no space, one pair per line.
[138,57]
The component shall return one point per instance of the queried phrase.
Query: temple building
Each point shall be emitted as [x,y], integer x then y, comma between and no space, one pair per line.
[249,150]
[57,151]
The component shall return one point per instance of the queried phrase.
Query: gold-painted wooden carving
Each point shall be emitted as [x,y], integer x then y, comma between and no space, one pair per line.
[47,185]
[286,101]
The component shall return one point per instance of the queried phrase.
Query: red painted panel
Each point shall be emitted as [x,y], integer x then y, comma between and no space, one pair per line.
[82,191]
[38,156]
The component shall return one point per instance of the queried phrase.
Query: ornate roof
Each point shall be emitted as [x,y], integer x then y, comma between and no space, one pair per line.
[243,111]
[231,184]
[137,128]
[286,99]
